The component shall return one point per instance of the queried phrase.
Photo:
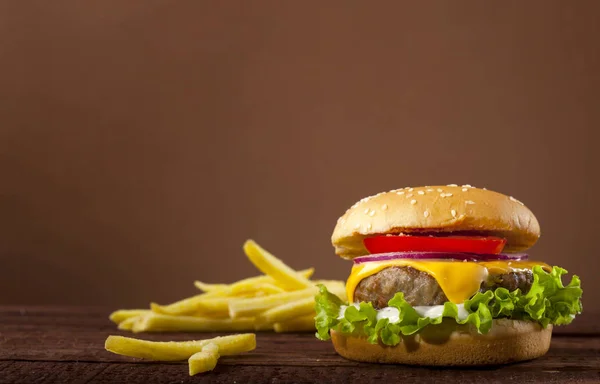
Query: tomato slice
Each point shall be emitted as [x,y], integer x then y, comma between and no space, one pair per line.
[405,243]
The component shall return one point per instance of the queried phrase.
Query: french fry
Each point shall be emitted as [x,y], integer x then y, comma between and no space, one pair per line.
[207,288]
[289,310]
[268,288]
[127,324]
[154,322]
[272,266]
[205,360]
[300,324]
[216,306]
[254,306]
[178,350]
[250,285]
[260,325]
[301,307]
[124,314]
[246,285]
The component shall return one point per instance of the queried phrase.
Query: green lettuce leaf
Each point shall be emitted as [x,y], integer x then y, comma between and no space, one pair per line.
[327,308]
[547,302]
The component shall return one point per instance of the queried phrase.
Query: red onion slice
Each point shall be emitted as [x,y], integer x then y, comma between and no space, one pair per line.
[462,256]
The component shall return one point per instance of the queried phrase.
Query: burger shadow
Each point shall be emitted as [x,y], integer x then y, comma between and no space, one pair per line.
[475,368]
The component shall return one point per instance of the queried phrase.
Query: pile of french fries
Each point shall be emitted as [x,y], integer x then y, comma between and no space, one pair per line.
[281,299]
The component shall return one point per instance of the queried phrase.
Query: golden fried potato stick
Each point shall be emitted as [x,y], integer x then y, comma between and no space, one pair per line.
[268,289]
[254,306]
[154,322]
[127,324]
[210,288]
[262,326]
[178,350]
[268,264]
[205,360]
[301,324]
[300,307]
[288,311]
[124,314]
[215,306]
[245,285]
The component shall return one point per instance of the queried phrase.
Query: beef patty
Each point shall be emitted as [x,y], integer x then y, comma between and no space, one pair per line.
[420,288]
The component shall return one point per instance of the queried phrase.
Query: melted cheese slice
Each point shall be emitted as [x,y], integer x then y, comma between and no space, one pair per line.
[458,279]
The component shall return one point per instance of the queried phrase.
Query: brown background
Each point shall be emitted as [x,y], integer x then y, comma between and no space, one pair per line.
[142,142]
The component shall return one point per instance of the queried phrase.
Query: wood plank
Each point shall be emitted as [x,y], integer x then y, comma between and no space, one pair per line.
[272,350]
[82,372]
[51,372]
[4,365]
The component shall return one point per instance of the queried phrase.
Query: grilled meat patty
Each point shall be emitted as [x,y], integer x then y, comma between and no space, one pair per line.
[420,288]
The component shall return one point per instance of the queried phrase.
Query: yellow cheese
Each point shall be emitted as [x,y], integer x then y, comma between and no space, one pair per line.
[458,279]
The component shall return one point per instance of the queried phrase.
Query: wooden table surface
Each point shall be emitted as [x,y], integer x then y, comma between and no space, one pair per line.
[66,345]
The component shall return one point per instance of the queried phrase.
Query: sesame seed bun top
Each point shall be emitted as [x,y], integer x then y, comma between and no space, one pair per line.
[448,208]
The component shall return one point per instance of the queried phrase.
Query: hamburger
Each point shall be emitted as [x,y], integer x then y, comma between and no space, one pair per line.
[441,277]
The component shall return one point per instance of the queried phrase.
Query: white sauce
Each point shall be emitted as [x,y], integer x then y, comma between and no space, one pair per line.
[433,311]
[390,313]
[393,314]
[343,310]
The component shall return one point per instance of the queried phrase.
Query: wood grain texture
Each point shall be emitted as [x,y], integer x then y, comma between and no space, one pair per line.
[48,345]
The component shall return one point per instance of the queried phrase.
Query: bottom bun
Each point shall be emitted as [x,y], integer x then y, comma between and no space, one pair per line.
[452,344]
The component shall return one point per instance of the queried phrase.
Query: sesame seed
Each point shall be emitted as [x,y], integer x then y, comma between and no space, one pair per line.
[448,194]
[443,194]
[465,189]
[452,185]
[469,202]
[453,212]
[484,188]
[384,207]
[410,189]
[426,213]
[421,193]
[413,201]
[400,193]
[372,212]
[439,190]
[366,211]
[429,189]
[409,195]
[468,186]
[515,200]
